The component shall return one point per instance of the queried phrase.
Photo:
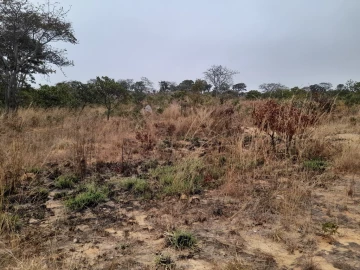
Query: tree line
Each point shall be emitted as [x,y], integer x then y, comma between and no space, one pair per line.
[29,33]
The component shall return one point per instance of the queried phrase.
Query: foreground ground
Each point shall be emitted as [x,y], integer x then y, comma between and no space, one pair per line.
[208,173]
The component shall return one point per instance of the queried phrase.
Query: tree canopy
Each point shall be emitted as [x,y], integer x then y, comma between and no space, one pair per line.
[27,35]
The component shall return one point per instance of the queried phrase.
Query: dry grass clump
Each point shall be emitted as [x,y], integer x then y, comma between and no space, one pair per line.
[348,160]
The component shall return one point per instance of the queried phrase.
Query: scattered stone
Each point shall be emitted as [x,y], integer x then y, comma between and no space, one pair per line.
[183,197]
[76,240]
[34,221]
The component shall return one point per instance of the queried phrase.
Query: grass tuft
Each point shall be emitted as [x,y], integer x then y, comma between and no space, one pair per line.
[181,239]
[9,223]
[65,181]
[92,196]
[182,178]
[165,262]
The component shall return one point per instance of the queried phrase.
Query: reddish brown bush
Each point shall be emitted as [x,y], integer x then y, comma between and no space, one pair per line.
[282,119]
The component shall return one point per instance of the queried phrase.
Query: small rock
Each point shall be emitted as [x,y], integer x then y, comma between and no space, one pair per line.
[195,199]
[34,221]
[183,197]
[148,109]
[76,240]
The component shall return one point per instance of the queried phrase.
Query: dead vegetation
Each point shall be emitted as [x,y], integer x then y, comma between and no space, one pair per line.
[207,170]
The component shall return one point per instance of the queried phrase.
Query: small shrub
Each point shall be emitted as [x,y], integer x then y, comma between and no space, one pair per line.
[181,240]
[330,228]
[282,119]
[64,182]
[92,196]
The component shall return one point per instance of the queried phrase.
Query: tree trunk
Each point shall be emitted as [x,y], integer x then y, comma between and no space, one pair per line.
[11,94]
[108,112]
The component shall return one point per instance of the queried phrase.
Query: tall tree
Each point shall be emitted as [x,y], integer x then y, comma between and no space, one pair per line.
[220,76]
[340,87]
[200,86]
[166,86]
[326,85]
[185,85]
[149,85]
[126,84]
[239,87]
[27,35]
[109,93]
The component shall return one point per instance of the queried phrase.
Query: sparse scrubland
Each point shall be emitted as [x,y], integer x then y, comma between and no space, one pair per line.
[232,184]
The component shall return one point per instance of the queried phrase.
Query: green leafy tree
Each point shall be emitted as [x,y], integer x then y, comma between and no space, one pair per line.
[126,84]
[48,96]
[253,94]
[27,35]
[109,93]
[239,87]
[166,86]
[81,94]
[185,85]
[298,92]
[139,91]
[326,85]
[201,86]
[340,87]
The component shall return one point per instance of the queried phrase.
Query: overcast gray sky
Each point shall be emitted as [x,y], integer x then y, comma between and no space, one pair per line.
[297,42]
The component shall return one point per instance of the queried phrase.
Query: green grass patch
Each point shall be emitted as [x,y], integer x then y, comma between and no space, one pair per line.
[185,177]
[315,165]
[181,240]
[91,196]
[65,181]
[136,185]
